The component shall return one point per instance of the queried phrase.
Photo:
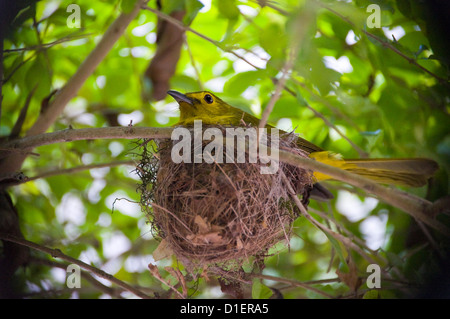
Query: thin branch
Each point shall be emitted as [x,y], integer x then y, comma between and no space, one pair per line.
[55,108]
[278,88]
[56,253]
[413,205]
[155,273]
[350,235]
[67,171]
[194,65]
[344,240]
[118,132]
[88,277]
[388,45]
[11,73]
[293,283]
[2,81]
[361,152]
[326,103]
[183,27]
[15,132]
[265,3]
[49,44]
[297,39]
[108,40]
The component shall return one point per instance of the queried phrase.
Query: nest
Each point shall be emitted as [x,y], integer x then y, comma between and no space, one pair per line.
[219,213]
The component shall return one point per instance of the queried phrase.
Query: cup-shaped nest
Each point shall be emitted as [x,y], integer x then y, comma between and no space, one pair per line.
[209,213]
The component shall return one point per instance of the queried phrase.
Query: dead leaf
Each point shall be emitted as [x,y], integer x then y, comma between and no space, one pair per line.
[208,238]
[162,251]
[179,276]
[351,279]
[239,244]
[213,238]
[202,225]
[155,272]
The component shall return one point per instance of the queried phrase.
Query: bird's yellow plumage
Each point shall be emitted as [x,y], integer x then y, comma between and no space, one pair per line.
[212,110]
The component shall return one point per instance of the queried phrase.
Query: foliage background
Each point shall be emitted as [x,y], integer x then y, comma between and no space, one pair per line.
[382,101]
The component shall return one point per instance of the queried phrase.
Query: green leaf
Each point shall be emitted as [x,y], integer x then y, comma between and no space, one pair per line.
[38,75]
[286,106]
[228,9]
[372,138]
[184,83]
[336,245]
[127,5]
[117,83]
[241,81]
[192,8]
[259,290]
[372,294]
[277,48]
[173,5]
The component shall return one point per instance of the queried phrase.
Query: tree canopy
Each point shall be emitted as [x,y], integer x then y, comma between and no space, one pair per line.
[359,78]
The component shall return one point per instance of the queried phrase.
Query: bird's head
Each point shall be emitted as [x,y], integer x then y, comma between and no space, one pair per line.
[199,105]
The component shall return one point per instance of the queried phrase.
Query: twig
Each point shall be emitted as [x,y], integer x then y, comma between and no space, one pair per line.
[2,81]
[67,171]
[349,233]
[265,3]
[183,27]
[118,132]
[155,273]
[56,253]
[294,283]
[11,73]
[15,132]
[108,40]
[413,205]
[361,153]
[88,277]
[388,45]
[49,44]
[55,108]
[326,103]
[294,47]
[194,65]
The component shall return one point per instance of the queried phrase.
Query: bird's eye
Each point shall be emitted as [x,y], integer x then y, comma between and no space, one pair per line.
[208,98]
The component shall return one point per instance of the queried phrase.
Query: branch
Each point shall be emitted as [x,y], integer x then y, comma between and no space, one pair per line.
[56,253]
[118,132]
[20,179]
[361,153]
[55,108]
[87,276]
[50,44]
[413,205]
[2,81]
[299,32]
[69,91]
[388,45]
[293,283]
[183,27]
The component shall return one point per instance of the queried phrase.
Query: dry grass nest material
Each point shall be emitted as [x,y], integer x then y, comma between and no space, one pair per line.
[218,213]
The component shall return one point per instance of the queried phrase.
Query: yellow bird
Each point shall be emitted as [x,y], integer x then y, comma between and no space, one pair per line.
[212,110]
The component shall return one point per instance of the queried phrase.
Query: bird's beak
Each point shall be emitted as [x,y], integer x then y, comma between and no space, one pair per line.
[179,97]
